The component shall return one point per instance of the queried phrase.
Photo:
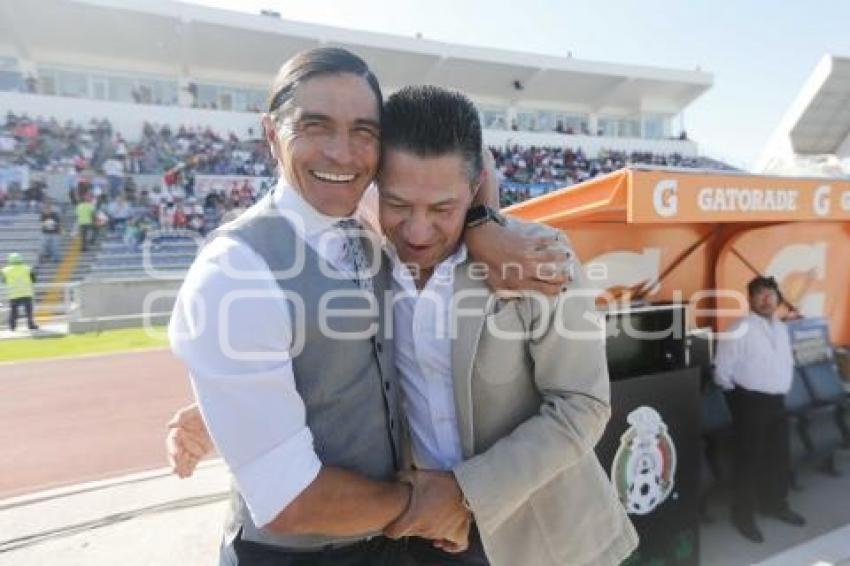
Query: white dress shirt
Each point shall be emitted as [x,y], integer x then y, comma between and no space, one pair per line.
[423,354]
[238,358]
[758,360]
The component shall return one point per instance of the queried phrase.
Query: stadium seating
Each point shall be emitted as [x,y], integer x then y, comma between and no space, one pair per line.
[20,231]
[824,426]
[798,403]
[164,255]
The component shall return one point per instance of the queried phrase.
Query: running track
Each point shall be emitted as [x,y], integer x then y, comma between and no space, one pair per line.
[72,420]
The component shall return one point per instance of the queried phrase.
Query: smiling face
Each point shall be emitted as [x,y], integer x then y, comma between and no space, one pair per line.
[423,204]
[327,141]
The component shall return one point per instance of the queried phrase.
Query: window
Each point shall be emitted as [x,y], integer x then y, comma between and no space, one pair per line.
[619,127]
[207,96]
[230,98]
[121,89]
[494,119]
[70,83]
[10,78]
[655,126]
[527,121]
[161,92]
[100,86]
[545,121]
[11,81]
[225,101]
[629,128]
[572,123]
[608,127]
[47,84]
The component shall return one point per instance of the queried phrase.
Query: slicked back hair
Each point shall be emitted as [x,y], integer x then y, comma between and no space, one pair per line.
[430,121]
[317,62]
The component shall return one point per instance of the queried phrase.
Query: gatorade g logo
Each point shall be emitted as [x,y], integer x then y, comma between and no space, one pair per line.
[620,272]
[821,201]
[799,268]
[665,199]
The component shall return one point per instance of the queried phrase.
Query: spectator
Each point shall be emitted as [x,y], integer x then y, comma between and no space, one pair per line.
[114,170]
[101,221]
[180,219]
[133,236]
[51,229]
[85,222]
[119,213]
[166,215]
[19,278]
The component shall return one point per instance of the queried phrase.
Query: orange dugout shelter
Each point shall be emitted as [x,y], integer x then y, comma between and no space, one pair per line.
[699,237]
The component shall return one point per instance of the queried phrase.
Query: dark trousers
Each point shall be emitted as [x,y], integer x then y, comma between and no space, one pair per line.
[87,235]
[378,551]
[762,455]
[423,553]
[14,304]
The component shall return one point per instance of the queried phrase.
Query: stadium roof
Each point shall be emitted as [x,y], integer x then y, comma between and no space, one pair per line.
[818,121]
[822,121]
[212,43]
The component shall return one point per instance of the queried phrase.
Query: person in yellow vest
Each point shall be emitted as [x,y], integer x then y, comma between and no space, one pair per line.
[19,278]
[85,222]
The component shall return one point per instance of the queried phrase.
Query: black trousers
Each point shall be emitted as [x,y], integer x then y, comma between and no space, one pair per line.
[14,304]
[762,455]
[88,235]
[378,551]
[424,554]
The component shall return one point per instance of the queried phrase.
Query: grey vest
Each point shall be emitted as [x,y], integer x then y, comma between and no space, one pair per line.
[348,385]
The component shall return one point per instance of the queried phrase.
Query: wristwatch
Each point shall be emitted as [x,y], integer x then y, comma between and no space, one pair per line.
[480,214]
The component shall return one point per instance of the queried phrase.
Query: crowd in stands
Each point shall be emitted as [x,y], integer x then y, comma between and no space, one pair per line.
[137,215]
[529,171]
[50,146]
[81,151]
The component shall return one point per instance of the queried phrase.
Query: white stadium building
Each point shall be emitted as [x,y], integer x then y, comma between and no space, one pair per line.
[813,138]
[192,65]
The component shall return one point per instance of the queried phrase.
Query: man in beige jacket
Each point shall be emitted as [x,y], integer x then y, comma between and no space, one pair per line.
[505,397]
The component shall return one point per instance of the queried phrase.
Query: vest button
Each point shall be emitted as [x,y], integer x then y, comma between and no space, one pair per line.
[387,385]
[379,347]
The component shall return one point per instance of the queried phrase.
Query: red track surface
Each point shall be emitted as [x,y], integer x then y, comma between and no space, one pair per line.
[73,420]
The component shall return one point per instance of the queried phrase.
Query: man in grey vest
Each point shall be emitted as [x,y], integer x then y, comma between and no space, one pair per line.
[278,323]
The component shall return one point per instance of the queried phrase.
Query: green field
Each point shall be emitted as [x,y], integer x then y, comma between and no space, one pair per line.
[124,340]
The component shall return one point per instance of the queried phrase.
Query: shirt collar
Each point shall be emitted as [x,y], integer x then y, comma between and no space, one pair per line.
[312,222]
[767,321]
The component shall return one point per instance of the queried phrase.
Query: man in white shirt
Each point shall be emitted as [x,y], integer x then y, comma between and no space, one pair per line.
[505,396]
[755,366]
[307,424]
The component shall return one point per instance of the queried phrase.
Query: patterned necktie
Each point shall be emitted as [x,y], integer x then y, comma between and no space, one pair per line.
[354,253]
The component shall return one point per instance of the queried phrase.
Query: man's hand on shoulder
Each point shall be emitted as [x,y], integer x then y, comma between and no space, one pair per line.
[188,440]
[522,256]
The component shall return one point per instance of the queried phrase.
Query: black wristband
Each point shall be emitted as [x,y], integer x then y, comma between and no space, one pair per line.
[481,214]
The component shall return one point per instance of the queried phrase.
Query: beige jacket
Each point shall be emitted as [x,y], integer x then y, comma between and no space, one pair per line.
[530,412]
